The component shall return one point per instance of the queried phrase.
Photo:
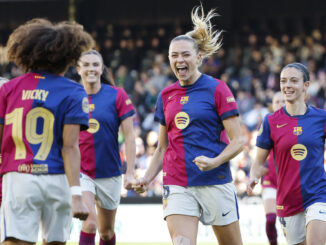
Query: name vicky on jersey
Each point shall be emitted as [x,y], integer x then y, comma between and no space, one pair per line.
[35,94]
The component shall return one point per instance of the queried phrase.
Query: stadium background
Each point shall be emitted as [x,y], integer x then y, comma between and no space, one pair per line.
[133,37]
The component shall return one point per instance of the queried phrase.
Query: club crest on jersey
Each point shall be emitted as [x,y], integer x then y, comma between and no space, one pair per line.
[94,126]
[299,152]
[297,130]
[181,120]
[91,107]
[184,100]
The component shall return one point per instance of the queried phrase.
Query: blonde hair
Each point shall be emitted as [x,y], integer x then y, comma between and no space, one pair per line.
[206,41]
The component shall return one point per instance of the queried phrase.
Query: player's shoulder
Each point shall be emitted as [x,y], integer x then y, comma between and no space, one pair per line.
[317,111]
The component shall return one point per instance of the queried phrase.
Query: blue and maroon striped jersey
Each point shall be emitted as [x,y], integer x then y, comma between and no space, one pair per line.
[298,144]
[193,118]
[99,145]
[34,108]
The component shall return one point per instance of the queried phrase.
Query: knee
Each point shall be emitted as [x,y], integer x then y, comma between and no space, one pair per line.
[181,240]
[107,233]
[89,226]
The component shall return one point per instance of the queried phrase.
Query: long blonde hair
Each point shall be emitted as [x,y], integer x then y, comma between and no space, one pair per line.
[206,41]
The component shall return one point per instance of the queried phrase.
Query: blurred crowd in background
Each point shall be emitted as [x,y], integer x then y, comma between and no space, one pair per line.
[249,62]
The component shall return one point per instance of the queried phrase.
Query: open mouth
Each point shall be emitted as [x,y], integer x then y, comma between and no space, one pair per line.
[182,70]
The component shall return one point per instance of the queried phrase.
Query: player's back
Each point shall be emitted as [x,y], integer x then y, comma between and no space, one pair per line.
[34,108]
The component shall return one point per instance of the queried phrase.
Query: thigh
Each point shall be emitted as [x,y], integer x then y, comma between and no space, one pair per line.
[56,213]
[108,192]
[228,234]
[105,219]
[294,228]
[316,223]
[21,207]
[183,229]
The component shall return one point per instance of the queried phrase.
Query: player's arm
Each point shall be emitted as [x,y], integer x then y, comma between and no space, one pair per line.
[71,159]
[156,164]
[1,131]
[233,130]
[257,168]
[130,149]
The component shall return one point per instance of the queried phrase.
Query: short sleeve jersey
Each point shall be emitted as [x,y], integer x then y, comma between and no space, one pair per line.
[99,145]
[298,145]
[193,118]
[34,108]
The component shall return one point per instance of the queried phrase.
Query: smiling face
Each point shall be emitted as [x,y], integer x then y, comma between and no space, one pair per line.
[184,61]
[90,68]
[292,85]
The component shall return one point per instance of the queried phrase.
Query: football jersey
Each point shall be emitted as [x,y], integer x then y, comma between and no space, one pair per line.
[33,109]
[193,118]
[269,179]
[298,145]
[99,145]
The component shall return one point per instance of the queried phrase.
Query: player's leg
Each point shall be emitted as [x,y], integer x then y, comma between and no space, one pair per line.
[316,224]
[228,234]
[88,231]
[14,241]
[106,220]
[183,229]
[108,198]
[269,200]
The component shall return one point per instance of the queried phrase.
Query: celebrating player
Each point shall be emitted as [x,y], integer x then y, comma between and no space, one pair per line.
[296,133]
[199,133]
[41,114]
[101,180]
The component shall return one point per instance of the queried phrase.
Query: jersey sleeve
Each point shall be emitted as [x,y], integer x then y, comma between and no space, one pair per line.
[264,135]
[225,101]
[159,113]
[78,109]
[124,105]
[2,104]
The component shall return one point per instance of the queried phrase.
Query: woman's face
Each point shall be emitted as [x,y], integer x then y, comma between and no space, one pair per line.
[90,68]
[184,60]
[292,85]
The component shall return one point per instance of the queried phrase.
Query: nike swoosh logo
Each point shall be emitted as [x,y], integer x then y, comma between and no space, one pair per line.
[322,212]
[224,214]
[280,126]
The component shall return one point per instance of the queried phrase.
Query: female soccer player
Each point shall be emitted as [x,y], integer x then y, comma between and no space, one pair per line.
[199,133]
[101,179]
[269,183]
[296,133]
[41,114]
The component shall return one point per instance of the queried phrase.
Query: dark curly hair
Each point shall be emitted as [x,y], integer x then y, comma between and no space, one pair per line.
[42,45]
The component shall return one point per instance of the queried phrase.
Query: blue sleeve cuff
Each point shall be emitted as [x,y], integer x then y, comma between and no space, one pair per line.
[230,114]
[128,114]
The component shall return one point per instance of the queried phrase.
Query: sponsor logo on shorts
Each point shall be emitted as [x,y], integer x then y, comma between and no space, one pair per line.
[322,211]
[299,152]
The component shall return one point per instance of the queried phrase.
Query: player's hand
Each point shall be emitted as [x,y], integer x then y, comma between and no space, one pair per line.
[204,163]
[251,185]
[140,185]
[128,181]
[79,209]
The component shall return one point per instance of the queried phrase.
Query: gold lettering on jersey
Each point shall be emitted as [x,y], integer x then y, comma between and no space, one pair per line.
[266,182]
[36,94]
[128,102]
[184,100]
[40,168]
[279,207]
[94,126]
[230,99]
[299,152]
[39,77]
[297,130]
[181,120]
